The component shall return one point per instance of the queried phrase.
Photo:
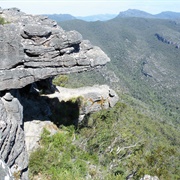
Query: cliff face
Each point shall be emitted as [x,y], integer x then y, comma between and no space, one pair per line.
[12,144]
[33,48]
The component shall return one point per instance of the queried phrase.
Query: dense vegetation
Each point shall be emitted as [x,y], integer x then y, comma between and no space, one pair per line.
[140,135]
[147,68]
[2,20]
[113,144]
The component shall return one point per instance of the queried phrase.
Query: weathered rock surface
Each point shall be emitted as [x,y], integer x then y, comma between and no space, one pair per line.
[12,143]
[93,98]
[33,130]
[34,48]
[148,177]
[5,173]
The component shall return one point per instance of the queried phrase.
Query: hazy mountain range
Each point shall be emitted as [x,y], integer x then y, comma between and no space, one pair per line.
[143,14]
[124,14]
[98,17]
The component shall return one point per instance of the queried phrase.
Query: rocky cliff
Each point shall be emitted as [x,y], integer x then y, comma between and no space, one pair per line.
[33,48]
[168,39]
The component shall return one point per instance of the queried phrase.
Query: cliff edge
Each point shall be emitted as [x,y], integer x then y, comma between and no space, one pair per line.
[33,48]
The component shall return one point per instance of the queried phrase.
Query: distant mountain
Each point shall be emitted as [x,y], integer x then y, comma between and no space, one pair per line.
[135,13]
[168,15]
[123,14]
[60,17]
[98,17]
[143,14]
[67,17]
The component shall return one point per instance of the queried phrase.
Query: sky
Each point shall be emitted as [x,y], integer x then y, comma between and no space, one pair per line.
[90,7]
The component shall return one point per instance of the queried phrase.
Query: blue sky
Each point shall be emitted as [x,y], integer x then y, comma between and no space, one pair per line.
[91,7]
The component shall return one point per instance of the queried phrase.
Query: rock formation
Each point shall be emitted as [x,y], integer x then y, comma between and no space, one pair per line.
[80,101]
[168,40]
[34,48]
[12,144]
[5,171]
[33,130]
[92,99]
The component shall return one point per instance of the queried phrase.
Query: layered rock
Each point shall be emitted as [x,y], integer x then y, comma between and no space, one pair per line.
[35,48]
[12,143]
[5,171]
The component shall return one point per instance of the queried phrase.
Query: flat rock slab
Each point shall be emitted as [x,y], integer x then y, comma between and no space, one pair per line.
[93,98]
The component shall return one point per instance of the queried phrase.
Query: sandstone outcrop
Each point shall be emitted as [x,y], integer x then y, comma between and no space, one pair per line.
[168,40]
[93,99]
[81,101]
[34,48]
[12,143]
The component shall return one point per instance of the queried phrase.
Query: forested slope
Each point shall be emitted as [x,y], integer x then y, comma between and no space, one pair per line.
[141,63]
[140,135]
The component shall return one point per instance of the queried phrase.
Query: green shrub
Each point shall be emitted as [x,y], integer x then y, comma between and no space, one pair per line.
[60,80]
[118,142]
[58,157]
[2,21]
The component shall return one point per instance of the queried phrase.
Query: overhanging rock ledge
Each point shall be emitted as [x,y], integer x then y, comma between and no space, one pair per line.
[34,48]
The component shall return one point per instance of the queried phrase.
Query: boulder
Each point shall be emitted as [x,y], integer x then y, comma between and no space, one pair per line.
[148,177]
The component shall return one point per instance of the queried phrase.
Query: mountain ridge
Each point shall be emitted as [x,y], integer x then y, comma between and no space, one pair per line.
[143,14]
[122,14]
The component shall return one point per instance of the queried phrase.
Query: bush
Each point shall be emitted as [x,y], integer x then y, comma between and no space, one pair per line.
[2,20]
[58,158]
[60,80]
[117,143]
